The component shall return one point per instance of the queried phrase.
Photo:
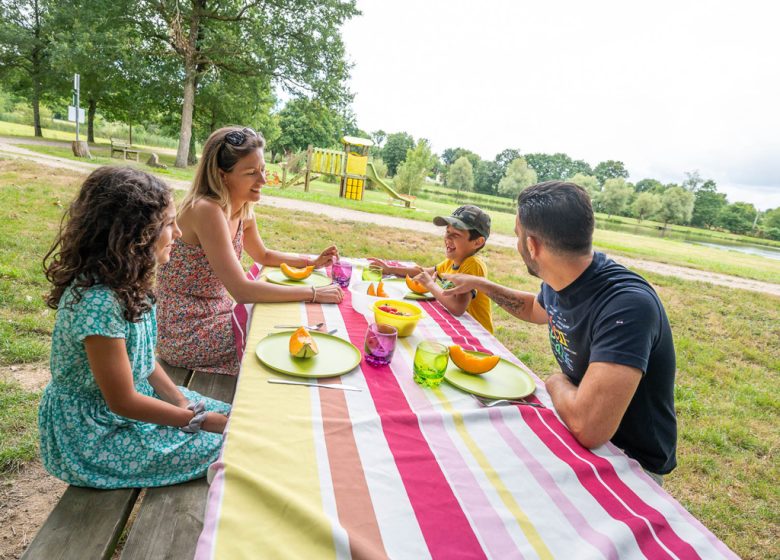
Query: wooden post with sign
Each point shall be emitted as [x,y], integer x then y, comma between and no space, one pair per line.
[80,148]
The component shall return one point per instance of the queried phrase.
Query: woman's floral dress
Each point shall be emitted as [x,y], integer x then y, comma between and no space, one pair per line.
[82,441]
[195,311]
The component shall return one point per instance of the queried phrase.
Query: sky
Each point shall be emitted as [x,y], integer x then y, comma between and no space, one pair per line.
[665,87]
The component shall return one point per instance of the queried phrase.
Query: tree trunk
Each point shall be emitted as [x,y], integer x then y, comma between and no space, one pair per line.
[81,149]
[36,103]
[192,157]
[130,139]
[91,120]
[187,107]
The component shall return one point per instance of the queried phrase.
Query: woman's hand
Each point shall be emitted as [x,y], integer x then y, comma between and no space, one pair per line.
[328,294]
[328,256]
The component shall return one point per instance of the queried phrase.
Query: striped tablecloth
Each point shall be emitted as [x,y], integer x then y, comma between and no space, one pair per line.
[404,472]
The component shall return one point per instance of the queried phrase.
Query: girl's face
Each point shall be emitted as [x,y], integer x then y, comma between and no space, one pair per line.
[170,232]
[245,181]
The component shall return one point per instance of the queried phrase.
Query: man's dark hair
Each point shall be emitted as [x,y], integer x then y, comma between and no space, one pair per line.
[560,214]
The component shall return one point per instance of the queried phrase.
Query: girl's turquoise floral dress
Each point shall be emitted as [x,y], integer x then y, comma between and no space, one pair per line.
[82,441]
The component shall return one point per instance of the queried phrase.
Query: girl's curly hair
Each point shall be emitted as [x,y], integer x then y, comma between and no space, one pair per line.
[107,236]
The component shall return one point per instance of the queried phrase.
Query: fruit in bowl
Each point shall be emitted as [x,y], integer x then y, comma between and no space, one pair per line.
[402,315]
[296,273]
[475,363]
[303,345]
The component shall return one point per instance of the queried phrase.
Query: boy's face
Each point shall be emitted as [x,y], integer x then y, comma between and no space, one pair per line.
[458,246]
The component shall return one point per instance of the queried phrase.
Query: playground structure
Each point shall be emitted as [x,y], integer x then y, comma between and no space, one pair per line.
[351,165]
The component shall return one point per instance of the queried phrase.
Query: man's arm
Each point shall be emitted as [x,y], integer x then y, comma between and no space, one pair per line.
[593,411]
[522,305]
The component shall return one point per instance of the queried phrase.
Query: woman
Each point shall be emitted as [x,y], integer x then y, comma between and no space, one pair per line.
[197,288]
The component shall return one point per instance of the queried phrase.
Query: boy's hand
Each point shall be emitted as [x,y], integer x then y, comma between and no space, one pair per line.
[328,256]
[386,268]
[425,279]
[464,283]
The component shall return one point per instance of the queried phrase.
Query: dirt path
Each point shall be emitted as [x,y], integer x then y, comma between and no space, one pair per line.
[347,214]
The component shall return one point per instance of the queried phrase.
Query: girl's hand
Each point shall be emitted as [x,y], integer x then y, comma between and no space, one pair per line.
[214,422]
[425,279]
[328,256]
[328,294]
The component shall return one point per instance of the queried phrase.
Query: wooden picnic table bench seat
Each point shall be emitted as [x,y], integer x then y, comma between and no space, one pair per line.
[88,523]
[123,148]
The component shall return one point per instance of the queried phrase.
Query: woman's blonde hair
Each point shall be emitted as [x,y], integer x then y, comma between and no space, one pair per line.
[221,152]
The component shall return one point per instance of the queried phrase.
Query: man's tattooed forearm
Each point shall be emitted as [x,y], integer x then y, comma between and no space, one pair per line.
[510,302]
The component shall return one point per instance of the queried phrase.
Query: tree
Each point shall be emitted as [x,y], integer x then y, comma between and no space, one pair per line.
[379,137]
[692,181]
[738,217]
[487,175]
[518,177]
[306,121]
[294,45]
[614,196]
[415,167]
[395,150]
[556,167]
[505,157]
[676,205]
[610,169]
[645,205]
[26,30]
[707,205]
[587,182]
[649,185]
[449,156]
[461,175]
[771,218]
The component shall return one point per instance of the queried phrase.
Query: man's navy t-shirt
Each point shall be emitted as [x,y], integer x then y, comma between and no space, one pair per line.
[610,314]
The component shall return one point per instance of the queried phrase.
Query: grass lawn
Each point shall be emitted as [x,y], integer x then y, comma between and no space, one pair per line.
[728,401]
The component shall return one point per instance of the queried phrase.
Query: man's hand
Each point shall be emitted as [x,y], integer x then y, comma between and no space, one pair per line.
[464,283]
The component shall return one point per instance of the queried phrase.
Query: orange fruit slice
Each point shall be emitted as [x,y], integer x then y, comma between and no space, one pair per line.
[416,287]
[472,363]
[380,290]
[302,344]
[371,291]
[296,273]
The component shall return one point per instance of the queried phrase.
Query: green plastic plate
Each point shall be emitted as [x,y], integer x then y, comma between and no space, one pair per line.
[505,381]
[317,279]
[336,357]
[427,296]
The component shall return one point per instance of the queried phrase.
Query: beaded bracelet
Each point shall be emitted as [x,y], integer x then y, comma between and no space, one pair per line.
[313,294]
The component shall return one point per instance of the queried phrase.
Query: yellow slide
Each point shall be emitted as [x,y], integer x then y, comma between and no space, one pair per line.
[371,174]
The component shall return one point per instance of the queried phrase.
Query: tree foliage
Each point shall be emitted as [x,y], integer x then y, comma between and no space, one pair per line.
[305,121]
[587,182]
[646,205]
[556,167]
[416,165]
[649,185]
[461,175]
[707,205]
[518,177]
[738,217]
[395,149]
[676,206]
[610,169]
[487,175]
[614,196]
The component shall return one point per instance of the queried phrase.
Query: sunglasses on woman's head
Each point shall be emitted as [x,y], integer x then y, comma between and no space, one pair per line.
[238,137]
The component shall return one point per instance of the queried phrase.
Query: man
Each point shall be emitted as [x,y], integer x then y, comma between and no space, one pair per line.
[608,329]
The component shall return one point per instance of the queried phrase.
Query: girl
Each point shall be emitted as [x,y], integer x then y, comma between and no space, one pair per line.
[197,288]
[111,417]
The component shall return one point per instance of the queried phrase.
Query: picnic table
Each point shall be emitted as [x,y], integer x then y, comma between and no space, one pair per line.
[401,471]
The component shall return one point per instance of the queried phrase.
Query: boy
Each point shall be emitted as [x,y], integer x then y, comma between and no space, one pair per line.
[467,231]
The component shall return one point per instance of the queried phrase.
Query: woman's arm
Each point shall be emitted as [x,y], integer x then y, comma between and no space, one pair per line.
[114,376]
[164,387]
[213,233]
[255,248]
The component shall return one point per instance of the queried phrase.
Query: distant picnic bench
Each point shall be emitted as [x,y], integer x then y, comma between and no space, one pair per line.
[123,148]
[87,523]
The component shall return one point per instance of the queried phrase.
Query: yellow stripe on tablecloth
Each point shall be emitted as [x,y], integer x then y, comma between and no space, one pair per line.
[530,532]
[272,505]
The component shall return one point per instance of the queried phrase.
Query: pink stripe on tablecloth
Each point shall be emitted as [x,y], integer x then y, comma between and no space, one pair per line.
[241,319]
[600,541]
[444,526]
[650,528]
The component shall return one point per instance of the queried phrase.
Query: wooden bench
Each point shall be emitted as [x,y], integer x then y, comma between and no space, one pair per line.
[123,148]
[88,523]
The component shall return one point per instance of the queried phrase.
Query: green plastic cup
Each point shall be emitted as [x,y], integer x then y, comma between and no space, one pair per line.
[372,273]
[430,363]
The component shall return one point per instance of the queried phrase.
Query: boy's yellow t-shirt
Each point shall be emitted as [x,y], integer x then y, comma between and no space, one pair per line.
[479,308]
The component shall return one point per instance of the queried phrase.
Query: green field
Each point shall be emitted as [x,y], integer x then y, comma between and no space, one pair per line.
[728,401]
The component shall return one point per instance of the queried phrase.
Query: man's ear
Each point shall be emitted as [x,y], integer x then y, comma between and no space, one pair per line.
[532,245]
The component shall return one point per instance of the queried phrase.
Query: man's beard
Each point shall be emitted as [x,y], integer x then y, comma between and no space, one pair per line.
[530,264]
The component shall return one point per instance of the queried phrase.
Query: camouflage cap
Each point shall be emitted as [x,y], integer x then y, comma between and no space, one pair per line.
[467,217]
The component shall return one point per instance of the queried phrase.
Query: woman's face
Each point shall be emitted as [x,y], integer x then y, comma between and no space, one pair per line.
[170,232]
[245,181]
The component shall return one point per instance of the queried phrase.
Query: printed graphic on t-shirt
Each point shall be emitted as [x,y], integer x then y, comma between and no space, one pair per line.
[559,342]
